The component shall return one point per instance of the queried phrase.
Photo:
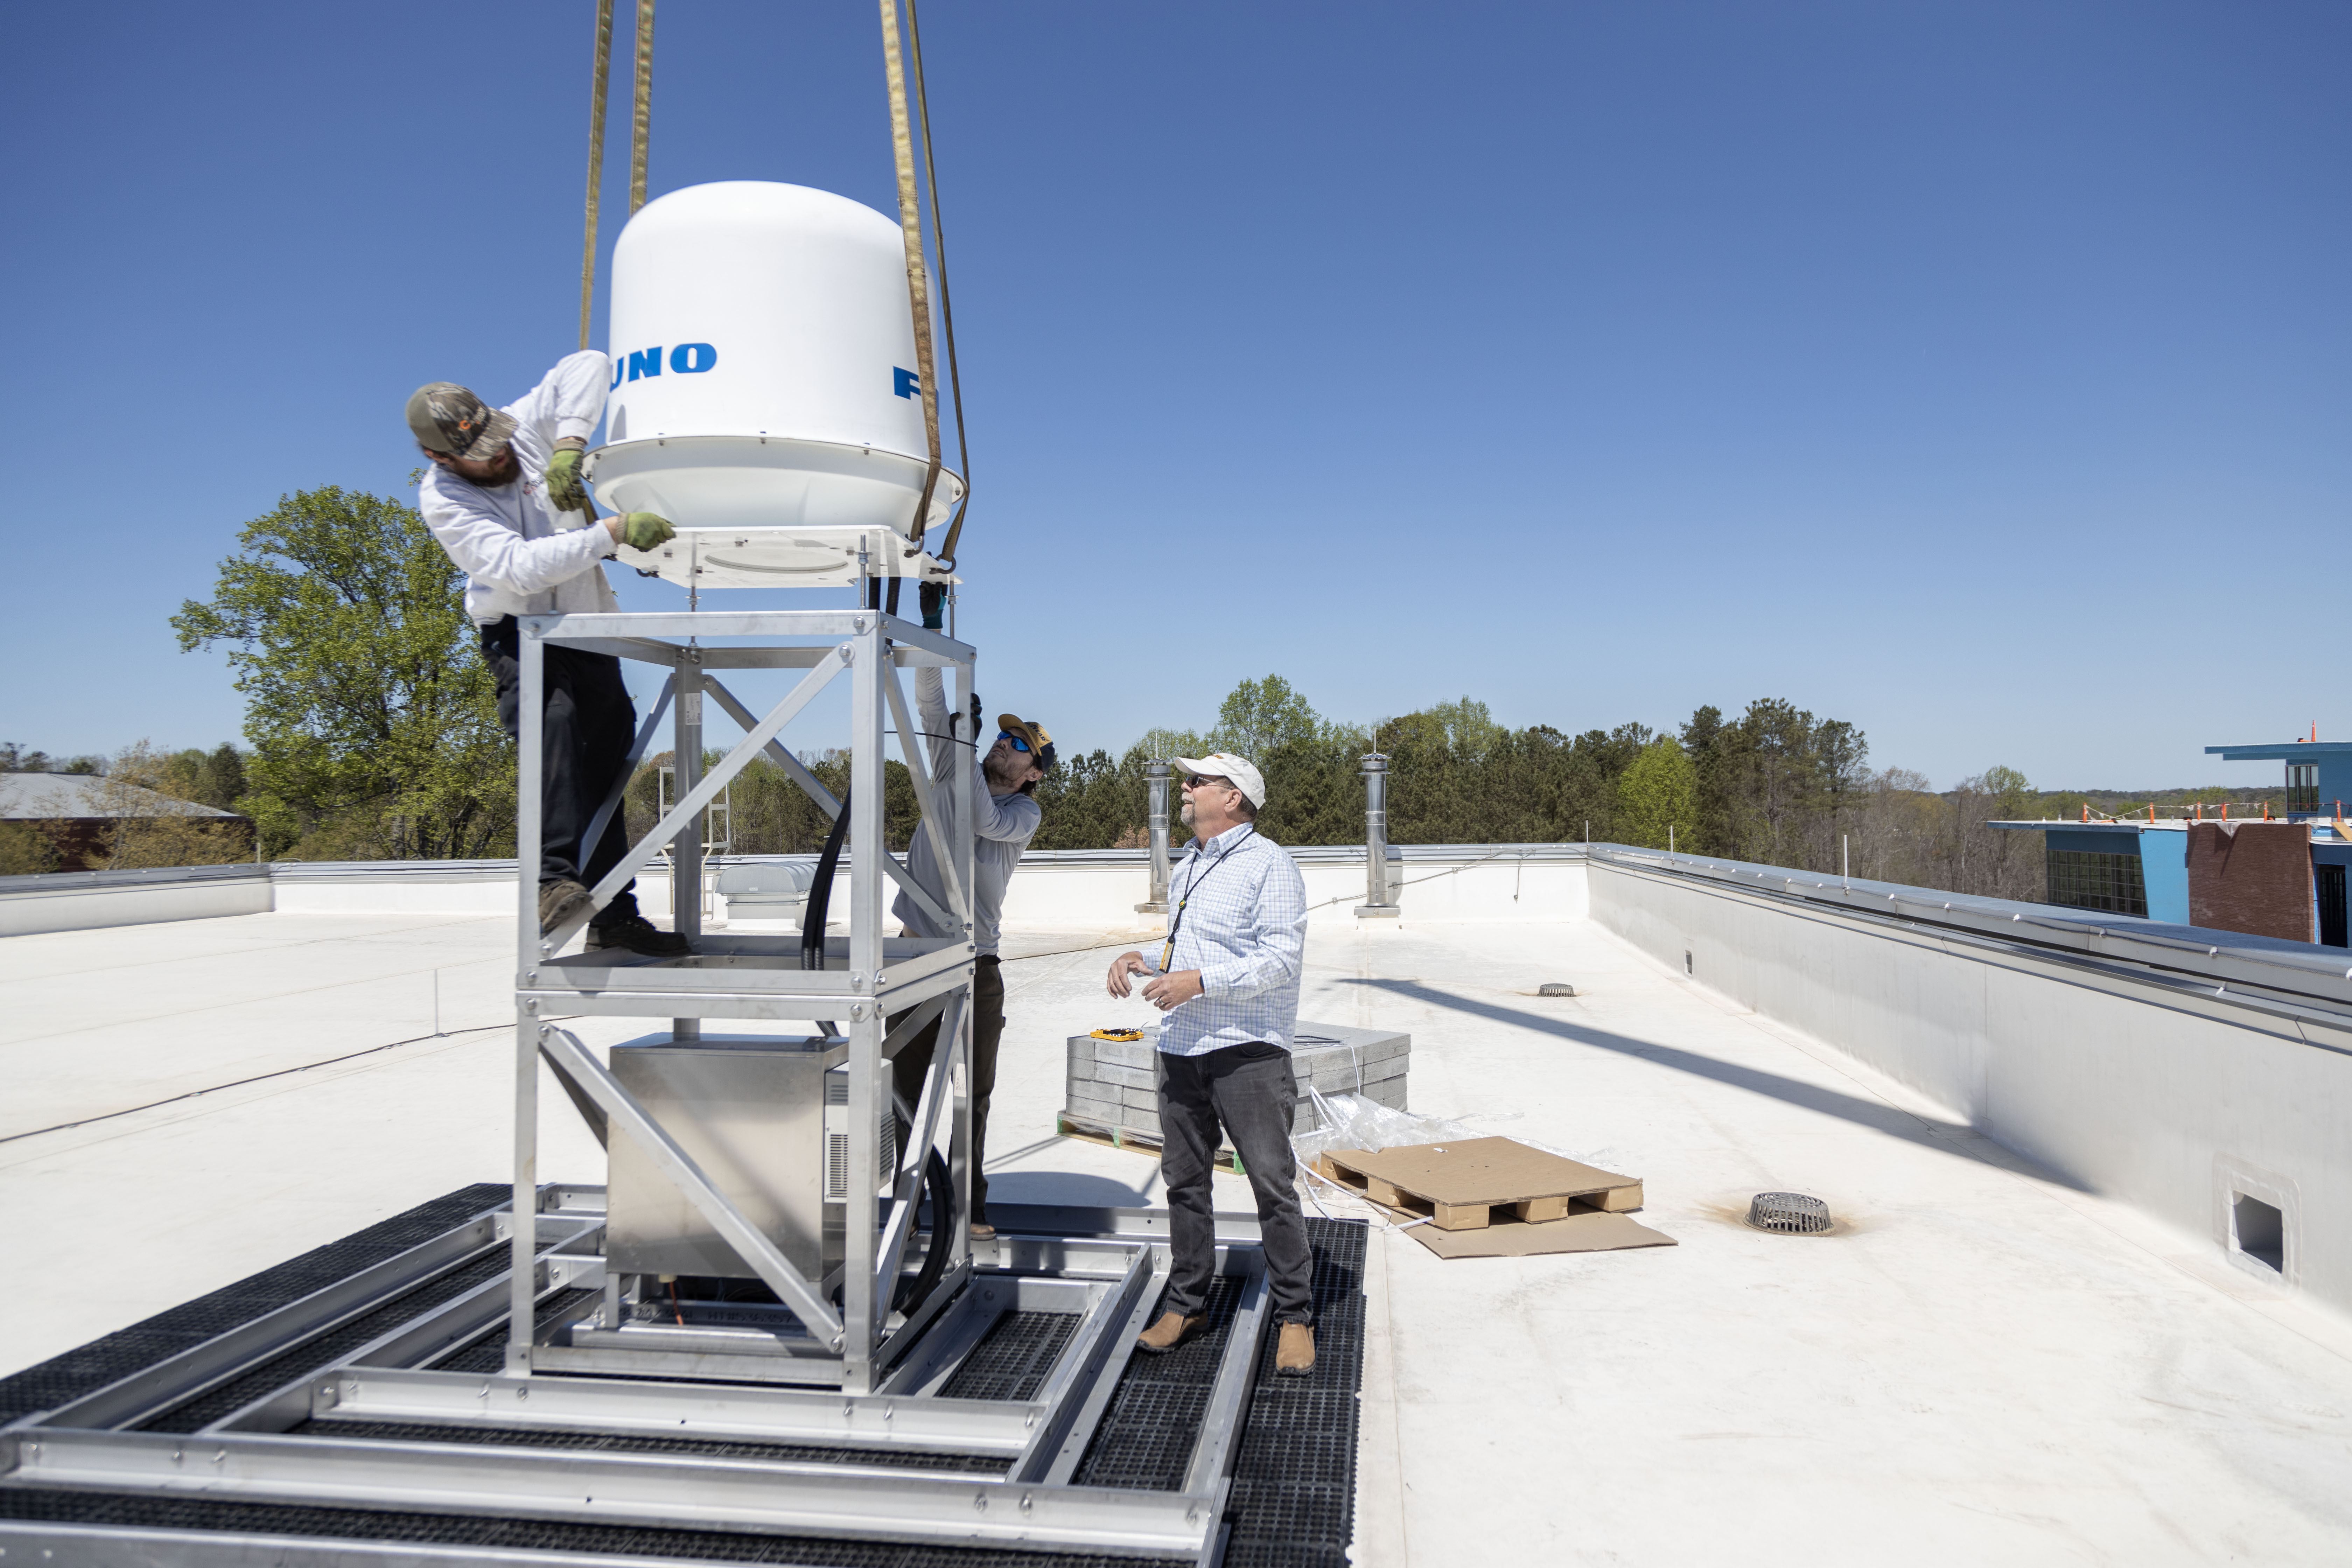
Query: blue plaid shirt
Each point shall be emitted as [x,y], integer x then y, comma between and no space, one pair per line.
[1243,927]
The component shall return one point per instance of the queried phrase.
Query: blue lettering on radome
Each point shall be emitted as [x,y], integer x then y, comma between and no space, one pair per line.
[692,359]
[906,382]
[644,362]
[619,366]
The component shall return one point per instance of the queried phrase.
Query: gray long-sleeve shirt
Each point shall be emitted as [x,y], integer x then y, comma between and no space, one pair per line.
[1002,825]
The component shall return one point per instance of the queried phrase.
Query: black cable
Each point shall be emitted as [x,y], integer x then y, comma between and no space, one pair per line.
[820,895]
[912,1293]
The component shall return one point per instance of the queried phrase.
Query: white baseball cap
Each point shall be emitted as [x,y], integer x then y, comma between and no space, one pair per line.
[1226,765]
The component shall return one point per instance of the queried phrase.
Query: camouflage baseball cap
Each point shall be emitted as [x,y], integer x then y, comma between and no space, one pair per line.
[448,419]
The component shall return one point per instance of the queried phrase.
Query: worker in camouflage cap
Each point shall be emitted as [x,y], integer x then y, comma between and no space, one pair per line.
[449,421]
[507,499]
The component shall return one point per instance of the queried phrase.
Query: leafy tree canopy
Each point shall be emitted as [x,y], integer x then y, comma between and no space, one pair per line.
[1263,716]
[1657,796]
[372,717]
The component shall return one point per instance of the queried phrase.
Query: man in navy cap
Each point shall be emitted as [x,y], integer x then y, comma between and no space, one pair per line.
[1005,816]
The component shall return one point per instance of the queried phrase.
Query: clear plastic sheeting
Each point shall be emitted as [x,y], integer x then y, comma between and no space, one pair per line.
[1356,1121]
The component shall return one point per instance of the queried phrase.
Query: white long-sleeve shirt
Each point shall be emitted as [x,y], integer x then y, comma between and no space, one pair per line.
[1002,825]
[520,556]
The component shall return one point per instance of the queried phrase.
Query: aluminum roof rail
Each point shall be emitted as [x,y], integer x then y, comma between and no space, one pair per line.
[2299,973]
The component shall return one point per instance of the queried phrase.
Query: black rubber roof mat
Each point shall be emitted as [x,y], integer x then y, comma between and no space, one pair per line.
[1293,1501]
[116,1356]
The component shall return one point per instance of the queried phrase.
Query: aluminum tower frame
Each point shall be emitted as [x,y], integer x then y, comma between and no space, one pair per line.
[351,1397]
[344,1398]
[759,977]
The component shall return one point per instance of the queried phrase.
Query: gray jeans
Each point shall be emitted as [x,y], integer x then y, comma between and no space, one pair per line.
[1250,1092]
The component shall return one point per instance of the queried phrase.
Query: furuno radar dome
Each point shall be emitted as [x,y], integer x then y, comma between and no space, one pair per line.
[765,394]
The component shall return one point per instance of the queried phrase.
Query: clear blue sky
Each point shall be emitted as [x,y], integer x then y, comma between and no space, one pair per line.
[1979,372]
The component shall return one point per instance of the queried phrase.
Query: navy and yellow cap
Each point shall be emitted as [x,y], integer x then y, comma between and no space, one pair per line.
[1032,735]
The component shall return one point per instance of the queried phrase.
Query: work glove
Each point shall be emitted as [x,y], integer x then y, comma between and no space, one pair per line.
[933,597]
[565,491]
[645,530]
[975,716]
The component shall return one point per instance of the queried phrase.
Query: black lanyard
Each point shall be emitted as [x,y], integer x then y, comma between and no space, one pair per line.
[1176,920]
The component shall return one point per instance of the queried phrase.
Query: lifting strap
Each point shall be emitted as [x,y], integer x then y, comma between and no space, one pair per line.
[910,223]
[947,299]
[595,161]
[641,124]
[911,228]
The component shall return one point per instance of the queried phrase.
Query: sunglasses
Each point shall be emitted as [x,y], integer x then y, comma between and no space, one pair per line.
[1195,781]
[1019,744]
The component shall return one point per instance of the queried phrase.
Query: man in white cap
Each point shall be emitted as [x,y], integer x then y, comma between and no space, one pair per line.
[1227,988]
[505,499]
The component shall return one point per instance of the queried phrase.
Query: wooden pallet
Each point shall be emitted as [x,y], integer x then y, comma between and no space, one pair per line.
[1134,1141]
[1471,1185]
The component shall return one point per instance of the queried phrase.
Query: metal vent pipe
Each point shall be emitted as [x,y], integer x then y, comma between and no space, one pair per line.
[1378,899]
[1155,776]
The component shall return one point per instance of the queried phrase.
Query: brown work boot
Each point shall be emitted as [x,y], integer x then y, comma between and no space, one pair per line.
[559,901]
[1172,1329]
[1295,1356]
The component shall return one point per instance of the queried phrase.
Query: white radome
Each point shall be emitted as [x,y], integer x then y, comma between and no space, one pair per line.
[765,394]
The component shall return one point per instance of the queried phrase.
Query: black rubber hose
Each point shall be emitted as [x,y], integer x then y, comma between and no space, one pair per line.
[912,1293]
[820,896]
[891,606]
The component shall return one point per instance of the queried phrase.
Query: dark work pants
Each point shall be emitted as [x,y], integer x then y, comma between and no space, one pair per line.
[1249,1091]
[590,726]
[908,1068]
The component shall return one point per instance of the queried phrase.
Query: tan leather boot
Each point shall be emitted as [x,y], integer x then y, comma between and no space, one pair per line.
[559,901]
[1295,1356]
[1170,1331]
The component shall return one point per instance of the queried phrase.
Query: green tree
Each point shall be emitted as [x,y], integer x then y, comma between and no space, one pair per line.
[1164,745]
[1261,715]
[27,849]
[1094,802]
[1659,791]
[373,718]
[153,816]
[768,811]
[14,759]
[1775,783]
[1470,727]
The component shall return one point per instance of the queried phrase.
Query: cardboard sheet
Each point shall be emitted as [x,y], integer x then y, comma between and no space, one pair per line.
[1586,1232]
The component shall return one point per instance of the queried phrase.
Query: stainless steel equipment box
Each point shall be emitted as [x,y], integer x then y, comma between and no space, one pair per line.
[766,1120]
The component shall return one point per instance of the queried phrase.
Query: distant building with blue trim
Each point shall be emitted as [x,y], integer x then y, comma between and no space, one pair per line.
[2281,875]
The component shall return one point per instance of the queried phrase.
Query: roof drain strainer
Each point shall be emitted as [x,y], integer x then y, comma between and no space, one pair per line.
[1792,1212]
